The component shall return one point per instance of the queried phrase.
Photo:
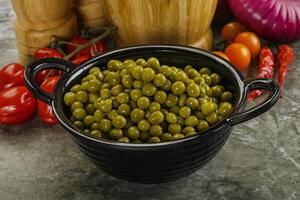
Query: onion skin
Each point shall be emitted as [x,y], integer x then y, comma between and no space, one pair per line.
[274,20]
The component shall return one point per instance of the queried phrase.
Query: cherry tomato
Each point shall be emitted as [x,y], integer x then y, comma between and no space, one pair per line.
[81,59]
[239,55]
[221,54]
[17,105]
[11,75]
[99,46]
[46,53]
[231,30]
[251,41]
[45,111]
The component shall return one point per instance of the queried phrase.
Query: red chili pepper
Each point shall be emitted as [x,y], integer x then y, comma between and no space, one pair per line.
[46,53]
[81,59]
[266,69]
[11,75]
[45,111]
[90,51]
[285,57]
[17,105]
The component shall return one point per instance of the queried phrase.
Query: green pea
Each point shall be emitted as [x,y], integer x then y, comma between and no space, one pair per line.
[112,78]
[147,74]
[123,98]
[225,109]
[199,115]
[191,121]
[105,86]
[167,87]
[217,91]
[89,120]
[145,136]
[156,117]
[153,63]
[99,115]
[160,96]
[112,114]
[75,105]
[178,88]
[180,121]
[226,96]
[117,89]
[187,68]
[149,89]
[137,115]
[215,79]
[202,126]
[96,133]
[153,140]
[141,62]
[193,90]
[192,102]
[133,133]
[88,78]
[114,65]
[181,76]
[69,98]
[116,134]
[119,121]
[154,106]
[144,125]
[188,129]
[199,80]
[165,70]
[205,70]
[124,109]
[160,80]
[82,97]
[182,100]
[212,118]
[133,104]
[87,131]
[156,130]
[184,112]
[105,93]
[138,85]
[99,75]
[143,103]
[79,113]
[136,72]
[171,118]
[93,97]
[127,81]
[190,134]
[166,137]
[192,73]
[95,125]
[79,125]
[136,141]
[90,109]
[124,139]
[177,136]
[105,125]
[76,88]
[171,100]
[174,128]
[207,79]
[175,109]
[208,107]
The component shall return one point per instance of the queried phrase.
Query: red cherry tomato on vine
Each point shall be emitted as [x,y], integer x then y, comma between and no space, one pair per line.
[17,105]
[46,53]
[11,75]
[80,59]
[45,111]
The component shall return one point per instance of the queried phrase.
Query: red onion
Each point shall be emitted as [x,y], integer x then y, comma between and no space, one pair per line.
[275,20]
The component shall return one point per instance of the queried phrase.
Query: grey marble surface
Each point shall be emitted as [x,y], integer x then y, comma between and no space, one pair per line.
[260,161]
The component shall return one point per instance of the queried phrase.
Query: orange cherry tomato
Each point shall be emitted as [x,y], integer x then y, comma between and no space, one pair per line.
[251,41]
[239,55]
[231,30]
[221,54]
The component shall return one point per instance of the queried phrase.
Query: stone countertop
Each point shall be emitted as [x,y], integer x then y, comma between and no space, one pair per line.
[261,159]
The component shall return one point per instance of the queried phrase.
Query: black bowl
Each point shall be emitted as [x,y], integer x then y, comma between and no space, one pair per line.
[161,162]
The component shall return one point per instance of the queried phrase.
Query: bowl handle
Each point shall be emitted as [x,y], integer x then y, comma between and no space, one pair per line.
[46,63]
[261,84]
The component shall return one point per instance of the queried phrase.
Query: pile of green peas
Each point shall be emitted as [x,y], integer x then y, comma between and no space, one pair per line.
[145,102]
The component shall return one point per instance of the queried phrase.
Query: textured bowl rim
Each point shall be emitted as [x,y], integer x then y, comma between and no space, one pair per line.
[64,121]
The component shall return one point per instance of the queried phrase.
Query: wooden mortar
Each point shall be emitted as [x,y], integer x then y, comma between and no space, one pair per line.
[185,22]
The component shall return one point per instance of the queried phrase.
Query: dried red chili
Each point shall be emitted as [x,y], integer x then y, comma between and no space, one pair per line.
[266,69]
[285,57]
